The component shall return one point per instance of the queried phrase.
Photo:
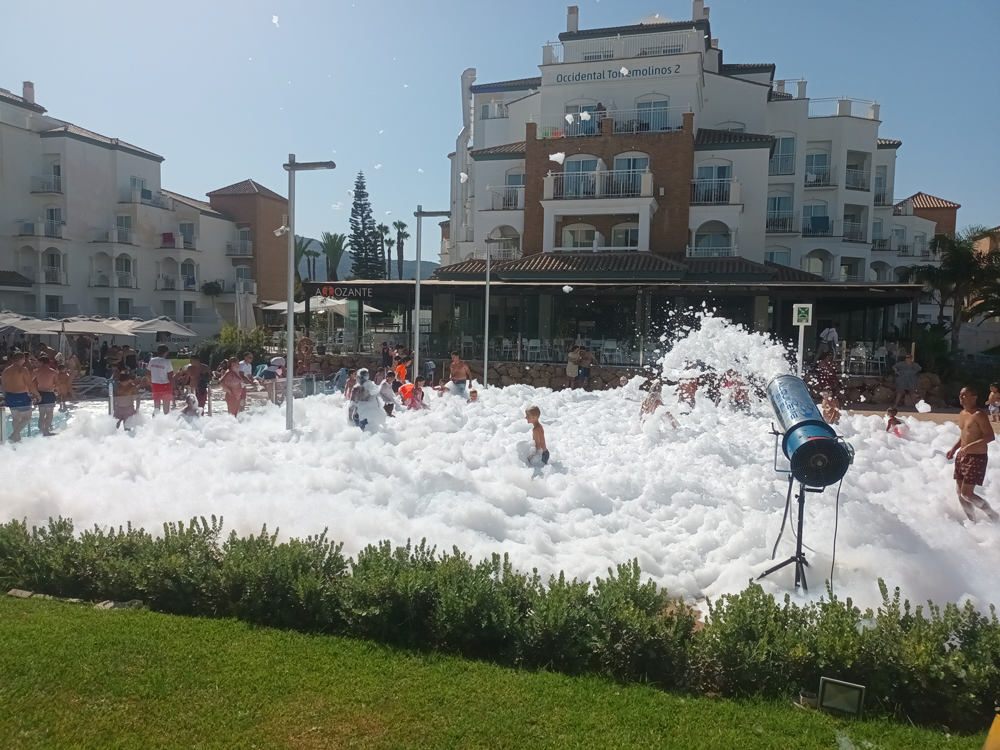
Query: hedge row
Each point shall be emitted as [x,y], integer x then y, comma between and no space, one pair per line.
[936,667]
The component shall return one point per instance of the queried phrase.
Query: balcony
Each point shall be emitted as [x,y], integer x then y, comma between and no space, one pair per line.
[715,192]
[507,198]
[51,229]
[189,283]
[620,183]
[883,197]
[858,179]
[239,248]
[173,241]
[881,244]
[577,124]
[821,176]
[239,286]
[51,275]
[495,110]
[146,197]
[844,107]
[781,222]
[713,252]
[101,278]
[124,280]
[781,164]
[505,251]
[166,283]
[47,184]
[622,48]
[855,231]
[119,235]
[817,226]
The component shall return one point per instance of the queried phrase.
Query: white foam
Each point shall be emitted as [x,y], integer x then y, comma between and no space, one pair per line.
[699,506]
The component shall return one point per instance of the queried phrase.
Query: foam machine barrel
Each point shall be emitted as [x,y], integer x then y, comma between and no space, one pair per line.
[817,457]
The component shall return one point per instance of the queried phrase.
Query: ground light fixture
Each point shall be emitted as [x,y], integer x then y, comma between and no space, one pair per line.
[289,228]
[840,697]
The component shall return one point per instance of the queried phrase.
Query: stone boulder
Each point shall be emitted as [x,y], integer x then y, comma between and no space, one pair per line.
[883,395]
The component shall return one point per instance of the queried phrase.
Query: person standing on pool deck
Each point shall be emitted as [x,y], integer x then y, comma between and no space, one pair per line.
[18,390]
[161,378]
[460,375]
[45,383]
[970,455]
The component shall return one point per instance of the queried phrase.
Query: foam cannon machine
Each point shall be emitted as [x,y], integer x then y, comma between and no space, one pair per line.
[817,456]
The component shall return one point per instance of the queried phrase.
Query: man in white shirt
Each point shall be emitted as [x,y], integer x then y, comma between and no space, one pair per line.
[161,377]
[245,368]
[829,340]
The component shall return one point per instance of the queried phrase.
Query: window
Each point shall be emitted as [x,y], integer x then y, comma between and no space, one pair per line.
[812,264]
[188,312]
[244,234]
[779,214]
[123,225]
[781,256]
[625,235]
[654,116]
[53,222]
[578,237]
[716,172]
[631,163]
[170,308]
[779,204]
[712,235]
[103,305]
[877,229]
[815,221]
[783,160]
[579,179]
[53,305]
[817,169]
[123,264]
[515,179]
[187,229]
[53,260]
[243,273]
[124,307]
[136,183]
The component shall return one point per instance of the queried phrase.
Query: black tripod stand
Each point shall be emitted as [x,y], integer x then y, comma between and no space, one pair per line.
[799,557]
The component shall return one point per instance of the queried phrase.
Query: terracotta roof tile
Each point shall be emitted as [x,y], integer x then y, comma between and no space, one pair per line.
[594,262]
[247,187]
[464,268]
[787,273]
[75,130]
[19,101]
[516,83]
[709,137]
[193,202]
[13,278]
[923,200]
[734,266]
[512,149]
[889,143]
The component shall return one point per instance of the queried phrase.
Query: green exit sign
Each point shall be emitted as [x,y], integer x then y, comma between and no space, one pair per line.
[802,315]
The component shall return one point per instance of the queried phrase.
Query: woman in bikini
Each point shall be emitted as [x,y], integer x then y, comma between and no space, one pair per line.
[232,384]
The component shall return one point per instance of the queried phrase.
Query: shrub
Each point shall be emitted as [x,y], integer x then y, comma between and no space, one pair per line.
[942,667]
[230,343]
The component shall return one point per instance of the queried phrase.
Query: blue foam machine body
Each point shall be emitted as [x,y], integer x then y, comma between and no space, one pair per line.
[818,458]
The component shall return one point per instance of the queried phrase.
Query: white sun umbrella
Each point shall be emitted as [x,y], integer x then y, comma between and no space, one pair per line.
[155,325]
[12,323]
[86,325]
[245,320]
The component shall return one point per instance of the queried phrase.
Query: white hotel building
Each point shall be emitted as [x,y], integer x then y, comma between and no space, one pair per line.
[641,139]
[87,229]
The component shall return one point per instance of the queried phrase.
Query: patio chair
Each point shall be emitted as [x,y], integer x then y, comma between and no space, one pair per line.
[468,346]
[881,359]
[90,386]
[506,349]
[609,351]
[534,349]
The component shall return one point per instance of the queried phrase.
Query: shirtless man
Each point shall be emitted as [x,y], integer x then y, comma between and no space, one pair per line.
[45,383]
[198,376]
[970,455]
[18,390]
[459,375]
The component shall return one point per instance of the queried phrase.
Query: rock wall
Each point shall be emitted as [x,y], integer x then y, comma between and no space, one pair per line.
[877,391]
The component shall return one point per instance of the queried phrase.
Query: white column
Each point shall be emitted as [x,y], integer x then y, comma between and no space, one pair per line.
[549,231]
[644,219]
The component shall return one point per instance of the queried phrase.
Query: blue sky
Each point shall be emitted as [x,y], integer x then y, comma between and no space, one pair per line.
[224,94]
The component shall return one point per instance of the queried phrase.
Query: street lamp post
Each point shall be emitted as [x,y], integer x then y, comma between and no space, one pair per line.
[486,315]
[292,167]
[420,214]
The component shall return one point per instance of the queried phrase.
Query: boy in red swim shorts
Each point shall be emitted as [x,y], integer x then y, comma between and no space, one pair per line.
[970,455]
[161,378]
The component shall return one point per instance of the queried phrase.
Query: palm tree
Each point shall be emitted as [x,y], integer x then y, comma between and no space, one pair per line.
[311,256]
[401,235]
[967,279]
[382,232]
[389,243]
[333,247]
[301,245]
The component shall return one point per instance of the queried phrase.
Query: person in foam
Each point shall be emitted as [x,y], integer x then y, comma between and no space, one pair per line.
[532,414]
[19,394]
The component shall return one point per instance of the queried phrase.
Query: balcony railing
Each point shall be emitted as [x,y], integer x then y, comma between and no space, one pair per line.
[712,252]
[508,197]
[505,251]
[645,120]
[190,283]
[51,275]
[178,241]
[146,197]
[883,197]
[817,226]
[620,48]
[166,283]
[124,280]
[39,228]
[820,176]
[101,278]
[242,248]
[118,234]
[855,231]
[781,164]
[615,183]
[496,110]
[51,183]
[780,222]
[881,244]
[239,285]
[713,192]
[843,107]
[858,179]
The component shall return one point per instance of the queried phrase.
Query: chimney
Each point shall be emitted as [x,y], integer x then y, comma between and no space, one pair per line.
[573,18]
[802,90]
[705,13]
[29,92]
[779,86]
[698,10]
[715,44]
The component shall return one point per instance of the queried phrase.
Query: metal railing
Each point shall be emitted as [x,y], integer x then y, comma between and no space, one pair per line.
[507,197]
[52,275]
[851,278]
[239,247]
[639,120]
[39,228]
[617,48]
[124,280]
[711,192]
[820,176]
[842,106]
[881,244]
[101,278]
[713,252]
[190,283]
[117,234]
[496,110]
[782,164]
[817,226]
[505,251]
[855,231]
[858,179]
[904,249]
[239,285]
[883,197]
[166,282]
[144,196]
[615,183]
[780,221]
[51,183]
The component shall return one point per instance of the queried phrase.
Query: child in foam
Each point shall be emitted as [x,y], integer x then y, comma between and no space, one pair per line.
[532,414]
[417,395]
[830,407]
[365,410]
[895,425]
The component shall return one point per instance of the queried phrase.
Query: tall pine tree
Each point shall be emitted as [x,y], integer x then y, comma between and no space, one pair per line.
[366,263]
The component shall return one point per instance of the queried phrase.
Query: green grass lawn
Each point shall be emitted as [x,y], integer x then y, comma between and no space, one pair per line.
[75,677]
